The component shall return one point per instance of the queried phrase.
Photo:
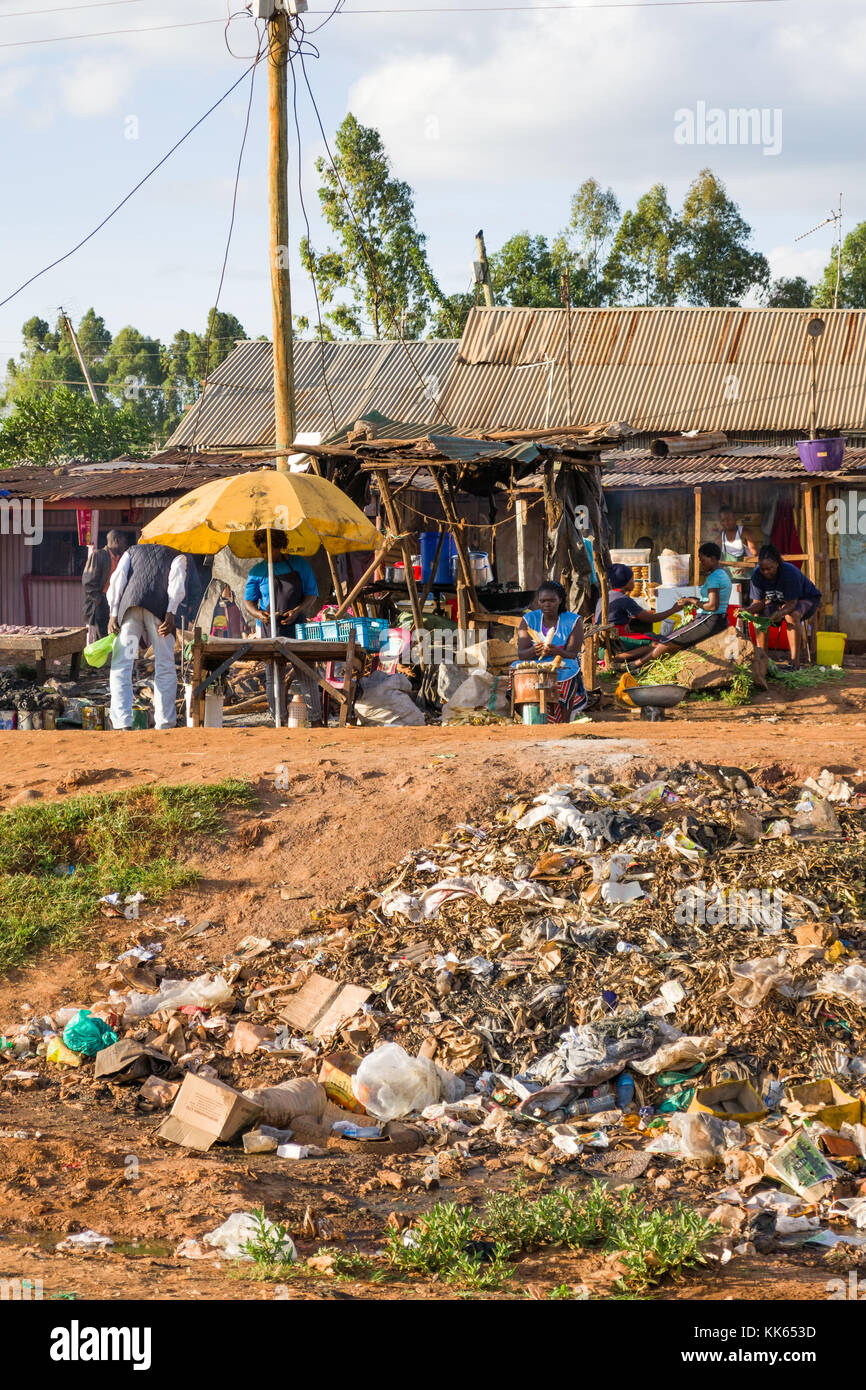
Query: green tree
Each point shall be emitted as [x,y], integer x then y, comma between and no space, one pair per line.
[790,292]
[52,426]
[377,280]
[94,338]
[640,268]
[525,271]
[451,313]
[715,265]
[852,279]
[583,244]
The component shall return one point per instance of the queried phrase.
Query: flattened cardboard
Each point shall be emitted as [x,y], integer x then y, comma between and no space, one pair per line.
[128,1060]
[322,1006]
[207,1112]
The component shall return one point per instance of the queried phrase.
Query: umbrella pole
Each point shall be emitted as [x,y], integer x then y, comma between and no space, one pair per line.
[276,678]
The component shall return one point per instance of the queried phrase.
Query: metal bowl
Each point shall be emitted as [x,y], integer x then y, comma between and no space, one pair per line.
[657,696]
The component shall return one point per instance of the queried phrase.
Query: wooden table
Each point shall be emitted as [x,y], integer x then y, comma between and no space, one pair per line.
[37,649]
[212,658]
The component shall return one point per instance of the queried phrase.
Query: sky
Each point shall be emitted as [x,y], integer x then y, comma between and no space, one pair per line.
[494,117]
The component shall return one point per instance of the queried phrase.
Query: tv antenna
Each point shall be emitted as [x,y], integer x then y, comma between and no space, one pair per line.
[836,219]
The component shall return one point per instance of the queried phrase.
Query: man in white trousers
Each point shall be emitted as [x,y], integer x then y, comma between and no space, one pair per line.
[145,592]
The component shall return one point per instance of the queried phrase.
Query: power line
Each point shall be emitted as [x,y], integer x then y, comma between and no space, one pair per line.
[212,317]
[311,267]
[410,10]
[133,191]
[64,9]
[111,33]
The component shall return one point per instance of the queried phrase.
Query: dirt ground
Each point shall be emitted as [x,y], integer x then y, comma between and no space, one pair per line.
[346,805]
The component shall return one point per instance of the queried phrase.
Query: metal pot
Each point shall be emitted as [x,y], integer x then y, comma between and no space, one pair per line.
[479,566]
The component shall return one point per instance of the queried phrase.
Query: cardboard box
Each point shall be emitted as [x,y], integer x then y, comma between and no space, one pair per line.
[825,1101]
[207,1112]
[322,1006]
[731,1100]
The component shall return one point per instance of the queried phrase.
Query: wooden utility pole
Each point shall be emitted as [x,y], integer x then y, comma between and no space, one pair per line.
[278,203]
[481,253]
[67,324]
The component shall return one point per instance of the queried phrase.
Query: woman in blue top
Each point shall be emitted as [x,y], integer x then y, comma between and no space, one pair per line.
[782,592]
[712,613]
[548,631]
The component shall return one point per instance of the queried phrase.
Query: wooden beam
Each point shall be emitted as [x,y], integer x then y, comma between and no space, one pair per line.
[697,545]
[394,523]
[377,560]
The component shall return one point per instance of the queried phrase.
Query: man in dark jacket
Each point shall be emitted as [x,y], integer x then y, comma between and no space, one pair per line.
[145,592]
[98,569]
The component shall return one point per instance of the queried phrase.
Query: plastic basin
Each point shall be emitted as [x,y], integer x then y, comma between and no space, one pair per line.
[821,455]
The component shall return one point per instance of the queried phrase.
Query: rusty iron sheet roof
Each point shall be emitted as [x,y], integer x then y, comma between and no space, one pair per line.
[662,369]
[639,468]
[335,383]
[120,478]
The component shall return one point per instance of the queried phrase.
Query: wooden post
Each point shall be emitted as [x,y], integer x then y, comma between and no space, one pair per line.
[697,546]
[196,702]
[520,512]
[278,207]
[394,523]
[812,561]
[332,564]
[481,252]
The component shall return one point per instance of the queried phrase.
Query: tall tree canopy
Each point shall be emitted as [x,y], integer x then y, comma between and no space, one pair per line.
[715,265]
[640,269]
[376,280]
[526,271]
[584,242]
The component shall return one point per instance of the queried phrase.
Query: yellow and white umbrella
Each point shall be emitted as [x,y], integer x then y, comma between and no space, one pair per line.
[228,511]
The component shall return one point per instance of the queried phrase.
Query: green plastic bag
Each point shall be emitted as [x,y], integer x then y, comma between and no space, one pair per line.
[88,1034]
[98,652]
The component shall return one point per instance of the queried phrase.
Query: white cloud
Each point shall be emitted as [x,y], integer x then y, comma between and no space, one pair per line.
[94,88]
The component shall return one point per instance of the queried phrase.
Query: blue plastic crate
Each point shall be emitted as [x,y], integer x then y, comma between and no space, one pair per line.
[370,633]
[330,630]
[308,632]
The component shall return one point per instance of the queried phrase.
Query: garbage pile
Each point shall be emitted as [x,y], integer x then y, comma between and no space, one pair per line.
[671,969]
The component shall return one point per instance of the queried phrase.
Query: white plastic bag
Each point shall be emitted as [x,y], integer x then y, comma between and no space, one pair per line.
[231,1237]
[205,991]
[753,980]
[390,1084]
[849,983]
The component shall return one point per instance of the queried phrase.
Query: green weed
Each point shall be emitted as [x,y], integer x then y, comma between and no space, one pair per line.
[119,842]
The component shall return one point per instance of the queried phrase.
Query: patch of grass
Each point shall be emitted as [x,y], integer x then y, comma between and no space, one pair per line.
[118,842]
[741,688]
[476,1248]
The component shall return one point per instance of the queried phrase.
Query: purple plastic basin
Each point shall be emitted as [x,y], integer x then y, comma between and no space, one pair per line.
[821,455]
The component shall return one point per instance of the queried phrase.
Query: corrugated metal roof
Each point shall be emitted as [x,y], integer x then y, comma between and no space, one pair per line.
[663,370]
[120,478]
[335,383]
[640,469]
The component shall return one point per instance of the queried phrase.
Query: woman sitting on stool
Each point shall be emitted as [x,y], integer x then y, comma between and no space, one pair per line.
[549,631]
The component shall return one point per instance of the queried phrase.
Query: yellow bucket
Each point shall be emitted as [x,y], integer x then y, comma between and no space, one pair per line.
[831,648]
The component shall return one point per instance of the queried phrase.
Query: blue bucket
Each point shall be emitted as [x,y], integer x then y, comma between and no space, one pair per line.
[429,541]
[821,455]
